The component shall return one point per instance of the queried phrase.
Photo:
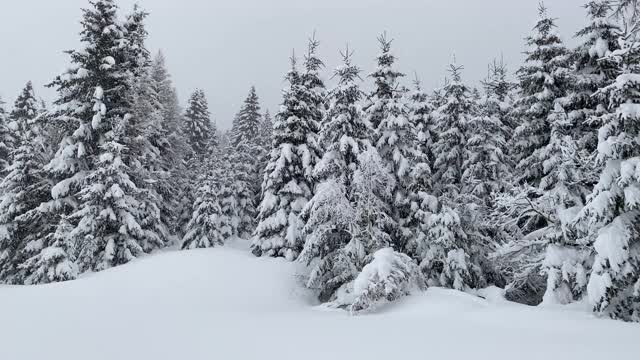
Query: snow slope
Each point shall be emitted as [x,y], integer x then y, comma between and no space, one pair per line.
[225,304]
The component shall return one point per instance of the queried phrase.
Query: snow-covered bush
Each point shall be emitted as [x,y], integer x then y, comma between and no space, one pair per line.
[389,276]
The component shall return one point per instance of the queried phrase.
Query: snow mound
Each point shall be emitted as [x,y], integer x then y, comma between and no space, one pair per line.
[223,303]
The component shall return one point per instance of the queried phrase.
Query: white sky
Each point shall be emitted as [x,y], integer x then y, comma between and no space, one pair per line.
[225,46]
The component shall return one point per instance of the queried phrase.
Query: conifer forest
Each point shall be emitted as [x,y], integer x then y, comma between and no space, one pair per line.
[366,194]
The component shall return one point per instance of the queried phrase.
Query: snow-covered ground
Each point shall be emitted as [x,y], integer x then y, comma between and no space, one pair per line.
[225,304]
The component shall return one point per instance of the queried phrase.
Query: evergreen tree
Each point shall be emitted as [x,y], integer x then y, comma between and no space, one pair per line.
[451,119]
[197,125]
[246,126]
[486,165]
[383,100]
[210,224]
[331,246]
[7,140]
[613,208]
[23,189]
[91,168]
[24,109]
[396,139]
[420,115]
[543,79]
[287,185]
[173,149]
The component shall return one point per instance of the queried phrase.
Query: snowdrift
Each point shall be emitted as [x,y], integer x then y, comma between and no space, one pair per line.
[225,304]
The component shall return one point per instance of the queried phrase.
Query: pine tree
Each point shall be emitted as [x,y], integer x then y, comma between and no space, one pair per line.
[382,101]
[613,208]
[197,125]
[543,79]
[592,71]
[23,189]
[486,165]
[451,119]
[569,171]
[210,225]
[246,126]
[330,216]
[7,140]
[173,149]
[24,109]
[91,168]
[287,185]
[395,139]
[420,115]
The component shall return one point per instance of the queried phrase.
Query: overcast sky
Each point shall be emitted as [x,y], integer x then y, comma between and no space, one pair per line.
[225,46]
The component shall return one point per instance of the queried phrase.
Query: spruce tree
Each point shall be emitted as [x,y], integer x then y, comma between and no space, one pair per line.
[613,208]
[451,120]
[197,124]
[7,140]
[486,165]
[330,247]
[210,225]
[173,149]
[92,169]
[383,100]
[542,80]
[287,185]
[245,155]
[395,139]
[23,189]
[24,109]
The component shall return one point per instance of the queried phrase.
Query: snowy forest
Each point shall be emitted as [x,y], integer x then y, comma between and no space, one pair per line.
[528,181]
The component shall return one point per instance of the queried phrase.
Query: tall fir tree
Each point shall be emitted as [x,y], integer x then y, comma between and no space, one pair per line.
[23,189]
[288,184]
[386,90]
[245,162]
[7,140]
[542,80]
[197,124]
[210,224]
[395,139]
[330,247]
[25,108]
[451,119]
[613,210]
[92,168]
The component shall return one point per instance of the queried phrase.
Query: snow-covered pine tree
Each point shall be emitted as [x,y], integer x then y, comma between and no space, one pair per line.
[287,185]
[172,151]
[486,164]
[24,109]
[23,190]
[109,216]
[451,119]
[372,197]
[592,70]
[197,123]
[245,156]
[395,139]
[330,217]
[210,224]
[420,115]
[246,125]
[7,140]
[90,169]
[386,87]
[266,131]
[423,203]
[542,80]
[613,210]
